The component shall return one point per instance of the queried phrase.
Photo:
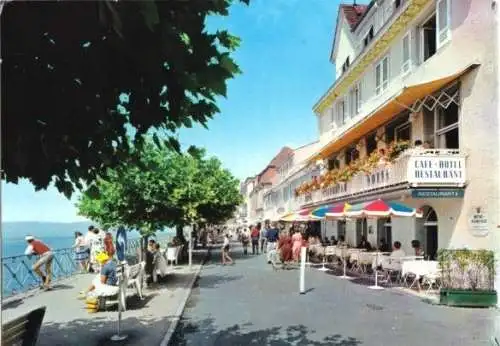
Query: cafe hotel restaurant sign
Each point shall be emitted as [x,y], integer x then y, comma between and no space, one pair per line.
[430,170]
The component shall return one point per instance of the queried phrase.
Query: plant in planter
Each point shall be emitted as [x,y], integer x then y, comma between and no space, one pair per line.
[396,149]
[467,278]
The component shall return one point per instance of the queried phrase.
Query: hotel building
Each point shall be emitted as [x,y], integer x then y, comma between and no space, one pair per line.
[407,71]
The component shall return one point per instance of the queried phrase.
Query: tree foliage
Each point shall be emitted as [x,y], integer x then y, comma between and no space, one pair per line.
[78,77]
[166,189]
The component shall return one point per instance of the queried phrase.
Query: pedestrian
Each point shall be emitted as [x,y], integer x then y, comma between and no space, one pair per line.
[245,240]
[38,248]
[272,237]
[255,239]
[109,247]
[263,234]
[297,244]
[225,251]
[81,252]
[96,244]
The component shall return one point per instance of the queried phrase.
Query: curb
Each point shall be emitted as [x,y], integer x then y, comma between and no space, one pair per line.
[174,321]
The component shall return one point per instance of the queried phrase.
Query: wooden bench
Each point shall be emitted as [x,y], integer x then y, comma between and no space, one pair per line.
[24,330]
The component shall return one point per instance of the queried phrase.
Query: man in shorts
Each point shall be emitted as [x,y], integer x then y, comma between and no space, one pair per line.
[38,248]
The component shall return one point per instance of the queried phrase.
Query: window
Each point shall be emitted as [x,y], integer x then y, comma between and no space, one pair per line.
[382,75]
[398,129]
[371,143]
[333,163]
[443,21]
[446,122]
[358,98]
[345,66]
[332,118]
[428,38]
[406,45]
[341,111]
[351,154]
[397,3]
[354,100]
[368,37]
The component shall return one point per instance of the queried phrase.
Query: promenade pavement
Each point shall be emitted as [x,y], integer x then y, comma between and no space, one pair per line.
[250,304]
[67,323]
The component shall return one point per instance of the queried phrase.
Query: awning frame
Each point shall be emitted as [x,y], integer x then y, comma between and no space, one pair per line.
[444,99]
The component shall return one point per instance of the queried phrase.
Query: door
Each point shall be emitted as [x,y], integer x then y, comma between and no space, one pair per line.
[431,243]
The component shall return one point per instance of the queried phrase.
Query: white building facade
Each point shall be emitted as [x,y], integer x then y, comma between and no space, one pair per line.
[421,70]
[407,71]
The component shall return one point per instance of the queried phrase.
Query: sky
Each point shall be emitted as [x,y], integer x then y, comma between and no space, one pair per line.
[284,56]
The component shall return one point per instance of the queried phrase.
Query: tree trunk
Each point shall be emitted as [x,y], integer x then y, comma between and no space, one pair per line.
[180,233]
[144,247]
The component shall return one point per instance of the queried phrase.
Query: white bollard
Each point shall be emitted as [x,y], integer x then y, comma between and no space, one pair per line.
[303,252]
[190,252]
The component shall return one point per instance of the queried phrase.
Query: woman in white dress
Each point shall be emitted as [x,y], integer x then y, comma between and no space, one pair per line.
[96,244]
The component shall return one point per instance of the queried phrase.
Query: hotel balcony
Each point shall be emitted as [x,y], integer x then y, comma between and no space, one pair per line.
[430,168]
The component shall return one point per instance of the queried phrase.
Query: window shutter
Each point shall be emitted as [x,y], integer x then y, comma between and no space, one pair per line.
[443,21]
[406,53]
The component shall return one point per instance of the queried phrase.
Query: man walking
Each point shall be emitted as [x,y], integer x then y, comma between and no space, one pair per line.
[272,237]
[37,248]
[254,235]
[263,235]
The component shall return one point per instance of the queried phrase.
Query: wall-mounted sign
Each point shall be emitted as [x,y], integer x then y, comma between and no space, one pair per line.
[478,222]
[423,169]
[437,193]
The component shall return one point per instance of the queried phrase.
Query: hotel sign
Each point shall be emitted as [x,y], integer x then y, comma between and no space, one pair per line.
[437,193]
[423,170]
[478,223]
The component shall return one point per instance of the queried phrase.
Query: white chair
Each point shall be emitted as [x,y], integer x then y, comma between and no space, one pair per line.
[432,280]
[134,275]
[173,254]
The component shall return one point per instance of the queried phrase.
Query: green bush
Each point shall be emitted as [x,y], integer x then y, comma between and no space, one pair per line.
[467,269]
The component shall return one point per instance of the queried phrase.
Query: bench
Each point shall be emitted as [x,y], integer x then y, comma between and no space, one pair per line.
[24,330]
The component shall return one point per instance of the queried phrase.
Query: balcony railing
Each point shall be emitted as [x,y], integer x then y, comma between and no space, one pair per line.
[423,168]
[18,275]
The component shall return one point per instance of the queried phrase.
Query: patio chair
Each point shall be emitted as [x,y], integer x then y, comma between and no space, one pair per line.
[432,280]
[134,275]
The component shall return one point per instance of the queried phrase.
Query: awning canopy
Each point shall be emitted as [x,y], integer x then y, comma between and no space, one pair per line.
[401,101]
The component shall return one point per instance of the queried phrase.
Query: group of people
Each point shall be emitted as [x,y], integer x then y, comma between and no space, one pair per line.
[156,263]
[89,251]
[89,246]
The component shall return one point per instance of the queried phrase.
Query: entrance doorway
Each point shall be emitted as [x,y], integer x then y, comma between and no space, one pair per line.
[430,233]
[361,229]
[384,233]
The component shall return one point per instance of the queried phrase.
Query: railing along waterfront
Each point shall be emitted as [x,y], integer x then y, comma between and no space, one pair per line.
[424,168]
[18,275]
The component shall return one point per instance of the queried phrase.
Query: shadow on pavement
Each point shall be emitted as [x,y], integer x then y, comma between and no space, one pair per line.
[96,332]
[207,333]
[12,304]
[213,281]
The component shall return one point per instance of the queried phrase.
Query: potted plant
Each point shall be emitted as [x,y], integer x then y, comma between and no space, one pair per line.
[467,278]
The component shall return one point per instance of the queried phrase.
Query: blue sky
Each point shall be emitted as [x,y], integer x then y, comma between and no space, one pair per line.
[284,58]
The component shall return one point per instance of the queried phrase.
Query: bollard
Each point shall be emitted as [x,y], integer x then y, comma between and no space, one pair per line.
[121,299]
[302,269]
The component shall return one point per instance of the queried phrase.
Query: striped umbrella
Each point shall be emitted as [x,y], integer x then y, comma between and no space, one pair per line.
[380,208]
[301,215]
[338,210]
[321,211]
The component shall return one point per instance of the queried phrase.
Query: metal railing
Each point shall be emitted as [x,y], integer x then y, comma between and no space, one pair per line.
[19,277]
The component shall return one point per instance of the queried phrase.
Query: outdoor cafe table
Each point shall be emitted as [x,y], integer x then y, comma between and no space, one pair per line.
[419,269]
